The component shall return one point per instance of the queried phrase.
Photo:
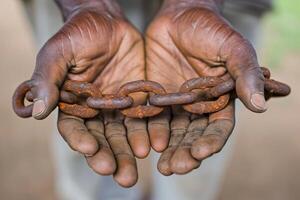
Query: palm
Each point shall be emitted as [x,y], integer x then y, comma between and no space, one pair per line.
[100,51]
[107,52]
[183,41]
[181,47]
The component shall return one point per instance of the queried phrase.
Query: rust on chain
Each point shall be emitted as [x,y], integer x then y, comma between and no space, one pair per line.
[68,97]
[76,105]
[276,88]
[141,86]
[204,107]
[219,90]
[85,100]
[110,102]
[81,89]
[272,87]
[200,83]
[19,100]
[69,101]
[173,99]
[141,111]
[78,110]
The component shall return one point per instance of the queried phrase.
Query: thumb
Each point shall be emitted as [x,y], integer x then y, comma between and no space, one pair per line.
[46,97]
[242,64]
[49,74]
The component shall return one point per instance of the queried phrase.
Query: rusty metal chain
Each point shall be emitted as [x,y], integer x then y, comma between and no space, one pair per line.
[199,95]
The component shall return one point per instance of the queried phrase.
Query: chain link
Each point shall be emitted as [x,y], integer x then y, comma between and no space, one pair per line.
[199,95]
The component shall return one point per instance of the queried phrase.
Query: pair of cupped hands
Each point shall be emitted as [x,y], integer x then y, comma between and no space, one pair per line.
[184,41]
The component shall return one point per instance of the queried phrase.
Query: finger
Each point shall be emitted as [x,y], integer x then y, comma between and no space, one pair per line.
[159,131]
[138,137]
[220,127]
[126,174]
[182,161]
[103,162]
[242,64]
[49,74]
[75,133]
[179,126]
[163,164]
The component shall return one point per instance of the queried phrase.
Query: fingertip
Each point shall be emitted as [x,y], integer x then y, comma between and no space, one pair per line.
[206,146]
[126,180]
[182,162]
[103,162]
[200,152]
[159,131]
[83,143]
[140,144]
[39,109]
[255,102]
[159,145]
[126,175]
[163,164]
[87,145]
[138,137]
[164,168]
[45,96]
[259,102]
[250,90]
[140,149]
[159,138]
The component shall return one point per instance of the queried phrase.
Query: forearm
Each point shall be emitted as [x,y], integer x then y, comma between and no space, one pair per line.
[174,4]
[68,7]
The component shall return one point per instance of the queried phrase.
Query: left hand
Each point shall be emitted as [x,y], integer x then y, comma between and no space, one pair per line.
[189,41]
[97,45]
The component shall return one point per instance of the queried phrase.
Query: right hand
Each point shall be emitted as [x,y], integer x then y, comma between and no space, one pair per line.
[102,48]
[189,40]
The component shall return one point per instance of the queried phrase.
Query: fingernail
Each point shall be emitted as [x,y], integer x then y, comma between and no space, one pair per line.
[259,102]
[38,108]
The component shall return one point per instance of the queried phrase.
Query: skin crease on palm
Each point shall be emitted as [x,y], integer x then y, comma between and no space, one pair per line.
[190,39]
[101,47]
[98,45]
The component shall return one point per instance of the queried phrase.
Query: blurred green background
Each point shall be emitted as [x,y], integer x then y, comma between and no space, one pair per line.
[281,31]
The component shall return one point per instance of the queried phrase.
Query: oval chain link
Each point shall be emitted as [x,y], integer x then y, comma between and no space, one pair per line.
[198,95]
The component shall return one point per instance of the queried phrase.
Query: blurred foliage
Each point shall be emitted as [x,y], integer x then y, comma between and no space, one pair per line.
[282,31]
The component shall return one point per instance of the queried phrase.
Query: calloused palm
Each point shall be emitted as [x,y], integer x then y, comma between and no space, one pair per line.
[186,42]
[104,49]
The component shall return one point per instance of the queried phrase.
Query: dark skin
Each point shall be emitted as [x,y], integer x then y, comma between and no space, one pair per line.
[190,39]
[98,45]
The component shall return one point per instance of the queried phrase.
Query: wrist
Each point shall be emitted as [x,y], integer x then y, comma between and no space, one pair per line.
[214,5]
[70,7]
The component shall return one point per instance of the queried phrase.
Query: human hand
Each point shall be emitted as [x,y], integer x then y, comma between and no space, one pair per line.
[96,45]
[190,39]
